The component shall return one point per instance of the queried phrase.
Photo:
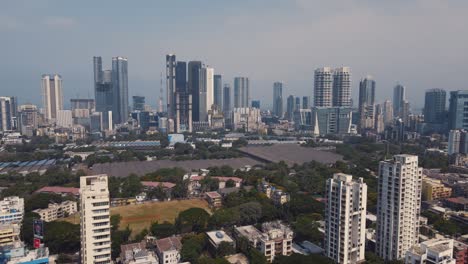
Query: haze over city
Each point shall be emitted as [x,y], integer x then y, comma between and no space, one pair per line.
[422,44]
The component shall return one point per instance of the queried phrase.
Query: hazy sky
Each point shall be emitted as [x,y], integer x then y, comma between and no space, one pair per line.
[420,43]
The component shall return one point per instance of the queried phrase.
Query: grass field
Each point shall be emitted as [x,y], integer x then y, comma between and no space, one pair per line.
[140,216]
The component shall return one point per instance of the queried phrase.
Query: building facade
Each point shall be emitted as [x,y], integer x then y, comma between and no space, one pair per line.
[11,210]
[241,92]
[399,98]
[457,110]
[55,211]
[435,251]
[341,92]
[345,219]
[206,94]
[226,99]
[434,106]
[331,120]
[398,206]
[367,103]
[95,220]
[52,97]
[218,91]
[278,99]
[8,113]
[323,82]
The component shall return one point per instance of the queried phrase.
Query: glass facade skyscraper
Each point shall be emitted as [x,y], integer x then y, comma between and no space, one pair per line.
[458,109]
[194,87]
[218,91]
[120,87]
[278,99]
[241,92]
[434,106]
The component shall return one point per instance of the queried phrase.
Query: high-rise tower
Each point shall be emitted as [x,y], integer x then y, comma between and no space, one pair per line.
[398,206]
[399,98]
[345,219]
[278,99]
[323,81]
[367,103]
[226,99]
[194,68]
[95,220]
[218,91]
[171,84]
[342,87]
[241,92]
[434,106]
[52,95]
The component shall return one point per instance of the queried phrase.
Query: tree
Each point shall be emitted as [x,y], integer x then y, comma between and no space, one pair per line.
[62,237]
[230,183]
[225,217]
[192,220]
[192,246]
[131,186]
[209,184]
[225,249]
[165,229]
[250,212]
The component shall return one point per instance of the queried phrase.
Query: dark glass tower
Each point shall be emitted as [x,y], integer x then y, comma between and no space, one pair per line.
[194,87]
[138,103]
[434,106]
[218,91]
[120,88]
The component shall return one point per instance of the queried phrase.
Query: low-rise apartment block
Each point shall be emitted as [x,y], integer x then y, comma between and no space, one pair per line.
[436,251]
[274,239]
[168,250]
[214,199]
[55,211]
[11,210]
[433,189]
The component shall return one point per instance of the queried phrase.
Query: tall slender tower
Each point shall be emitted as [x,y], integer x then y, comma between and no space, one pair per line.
[345,219]
[120,89]
[218,91]
[323,81]
[278,99]
[367,103]
[398,206]
[434,106]
[52,95]
[95,220]
[306,102]
[226,100]
[170,84]
[206,92]
[8,113]
[398,100]
[194,87]
[241,92]
[342,87]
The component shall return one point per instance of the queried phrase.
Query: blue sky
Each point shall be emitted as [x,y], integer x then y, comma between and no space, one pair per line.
[420,43]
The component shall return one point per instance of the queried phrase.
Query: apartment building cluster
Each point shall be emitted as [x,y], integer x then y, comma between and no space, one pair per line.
[278,196]
[55,211]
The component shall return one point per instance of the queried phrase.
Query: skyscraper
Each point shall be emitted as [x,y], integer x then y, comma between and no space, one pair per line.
[206,92]
[297,103]
[398,206]
[120,87]
[52,95]
[457,110]
[28,119]
[345,219]
[323,81]
[182,110]
[95,220]
[194,87]
[241,92]
[226,99]
[111,91]
[218,91]
[170,84]
[434,106]
[387,112]
[138,103]
[367,103]
[8,113]
[306,102]
[342,87]
[290,107]
[278,99]
[398,100]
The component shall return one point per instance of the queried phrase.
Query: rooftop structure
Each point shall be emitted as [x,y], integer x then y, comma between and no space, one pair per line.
[436,251]
[11,210]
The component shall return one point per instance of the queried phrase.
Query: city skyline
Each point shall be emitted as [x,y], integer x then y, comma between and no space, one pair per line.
[390,62]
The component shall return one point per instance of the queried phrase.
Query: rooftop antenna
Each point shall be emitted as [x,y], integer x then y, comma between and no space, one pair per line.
[160,95]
